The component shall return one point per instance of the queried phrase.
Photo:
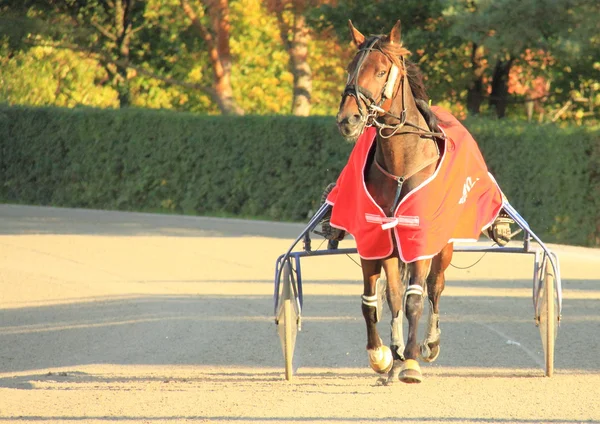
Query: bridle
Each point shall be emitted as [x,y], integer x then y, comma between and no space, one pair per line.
[374,107]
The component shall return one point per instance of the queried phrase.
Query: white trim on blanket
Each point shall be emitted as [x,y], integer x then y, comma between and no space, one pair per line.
[431,178]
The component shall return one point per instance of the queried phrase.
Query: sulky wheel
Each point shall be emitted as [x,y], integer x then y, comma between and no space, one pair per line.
[287,318]
[547,314]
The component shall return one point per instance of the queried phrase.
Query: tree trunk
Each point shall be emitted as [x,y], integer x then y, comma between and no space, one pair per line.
[218,49]
[300,68]
[295,38]
[122,85]
[475,88]
[123,25]
[499,95]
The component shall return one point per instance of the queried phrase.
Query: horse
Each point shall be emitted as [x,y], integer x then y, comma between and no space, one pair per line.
[386,91]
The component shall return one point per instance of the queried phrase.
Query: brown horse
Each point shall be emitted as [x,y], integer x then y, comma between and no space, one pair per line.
[386,91]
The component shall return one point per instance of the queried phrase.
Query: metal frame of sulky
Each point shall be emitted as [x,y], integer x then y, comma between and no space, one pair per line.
[540,252]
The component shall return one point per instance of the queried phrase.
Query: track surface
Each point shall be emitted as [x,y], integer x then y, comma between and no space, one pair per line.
[140,318]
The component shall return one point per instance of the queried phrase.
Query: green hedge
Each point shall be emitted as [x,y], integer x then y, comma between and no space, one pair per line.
[273,167]
[549,174]
[270,167]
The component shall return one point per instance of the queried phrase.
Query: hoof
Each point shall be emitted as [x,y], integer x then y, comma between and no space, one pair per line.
[381,359]
[394,374]
[411,372]
[429,353]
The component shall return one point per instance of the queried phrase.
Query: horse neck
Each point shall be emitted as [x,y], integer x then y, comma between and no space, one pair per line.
[403,153]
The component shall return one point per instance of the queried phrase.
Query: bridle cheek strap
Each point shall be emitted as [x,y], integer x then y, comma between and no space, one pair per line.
[361,94]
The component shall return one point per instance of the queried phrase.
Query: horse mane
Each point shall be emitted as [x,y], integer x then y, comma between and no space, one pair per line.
[396,52]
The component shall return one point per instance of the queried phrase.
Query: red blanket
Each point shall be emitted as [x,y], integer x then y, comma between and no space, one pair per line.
[456,203]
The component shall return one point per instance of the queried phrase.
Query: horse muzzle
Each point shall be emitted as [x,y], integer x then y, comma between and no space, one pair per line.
[350,126]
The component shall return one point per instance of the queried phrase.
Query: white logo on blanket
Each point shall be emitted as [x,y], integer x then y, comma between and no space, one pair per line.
[469,183]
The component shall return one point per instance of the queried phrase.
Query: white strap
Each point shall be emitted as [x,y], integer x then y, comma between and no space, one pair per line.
[390,222]
[414,289]
[369,300]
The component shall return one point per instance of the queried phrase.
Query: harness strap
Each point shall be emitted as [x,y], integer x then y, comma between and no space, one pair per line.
[369,300]
[414,289]
[400,180]
[423,132]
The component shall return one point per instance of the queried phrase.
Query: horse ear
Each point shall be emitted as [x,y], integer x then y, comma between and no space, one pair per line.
[395,37]
[357,37]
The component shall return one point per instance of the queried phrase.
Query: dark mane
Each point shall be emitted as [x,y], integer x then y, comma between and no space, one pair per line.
[396,52]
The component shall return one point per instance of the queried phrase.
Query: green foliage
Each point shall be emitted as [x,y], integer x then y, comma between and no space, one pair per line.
[441,34]
[262,80]
[68,53]
[441,56]
[46,76]
[274,167]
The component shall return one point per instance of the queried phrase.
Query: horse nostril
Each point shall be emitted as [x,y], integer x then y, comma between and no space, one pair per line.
[354,120]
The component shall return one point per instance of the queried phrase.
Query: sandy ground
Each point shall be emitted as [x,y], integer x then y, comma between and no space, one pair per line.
[141,318]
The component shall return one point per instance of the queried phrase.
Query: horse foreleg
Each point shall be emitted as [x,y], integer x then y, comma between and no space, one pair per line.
[380,356]
[396,273]
[413,306]
[430,348]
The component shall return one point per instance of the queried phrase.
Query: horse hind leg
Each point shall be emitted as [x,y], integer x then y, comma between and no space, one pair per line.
[430,347]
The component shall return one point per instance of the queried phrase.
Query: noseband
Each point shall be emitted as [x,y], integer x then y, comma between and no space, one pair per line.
[374,109]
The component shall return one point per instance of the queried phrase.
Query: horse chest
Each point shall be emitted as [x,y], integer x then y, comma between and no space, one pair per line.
[382,190]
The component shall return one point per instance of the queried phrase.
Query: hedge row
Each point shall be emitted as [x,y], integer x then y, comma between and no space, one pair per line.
[551,175]
[273,167]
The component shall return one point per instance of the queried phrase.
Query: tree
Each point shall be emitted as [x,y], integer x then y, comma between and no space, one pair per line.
[120,34]
[295,35]
[475,88]
[100,30]
[116,22]
[425,32]
[216,37]
[505,30]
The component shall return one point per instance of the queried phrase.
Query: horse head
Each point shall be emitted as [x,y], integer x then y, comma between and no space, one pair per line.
[375,76]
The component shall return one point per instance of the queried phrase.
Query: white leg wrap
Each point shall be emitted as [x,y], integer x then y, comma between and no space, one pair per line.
[433,326]
[397,335]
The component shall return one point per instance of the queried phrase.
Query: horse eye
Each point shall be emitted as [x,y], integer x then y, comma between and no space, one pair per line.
[381,74]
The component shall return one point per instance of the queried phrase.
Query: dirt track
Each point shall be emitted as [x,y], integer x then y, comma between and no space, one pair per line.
[141,318]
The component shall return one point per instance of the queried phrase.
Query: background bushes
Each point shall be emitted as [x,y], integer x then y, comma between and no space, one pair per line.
[550,174]
[272,167]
